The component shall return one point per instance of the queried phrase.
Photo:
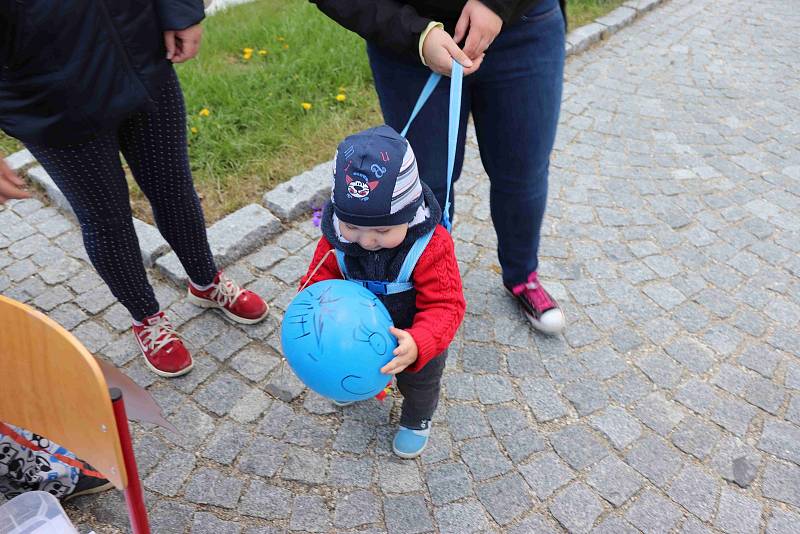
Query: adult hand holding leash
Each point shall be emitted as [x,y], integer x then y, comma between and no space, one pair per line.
[440,50]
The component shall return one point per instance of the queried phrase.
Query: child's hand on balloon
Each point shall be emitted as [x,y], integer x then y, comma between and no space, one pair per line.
[405,354]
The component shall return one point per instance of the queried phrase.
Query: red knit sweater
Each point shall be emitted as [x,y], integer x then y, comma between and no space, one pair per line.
[440,298]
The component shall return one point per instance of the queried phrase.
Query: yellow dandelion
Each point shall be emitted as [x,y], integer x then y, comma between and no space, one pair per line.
[306,105]
[280,38]
[204,112]
[247,51]
[341,97]
[263,52]
[286,47]
[194,130]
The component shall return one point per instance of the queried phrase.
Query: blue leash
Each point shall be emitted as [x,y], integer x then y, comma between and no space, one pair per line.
[456,82]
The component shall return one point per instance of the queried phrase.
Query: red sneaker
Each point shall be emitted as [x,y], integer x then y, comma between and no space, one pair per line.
[161,347]
[238,304]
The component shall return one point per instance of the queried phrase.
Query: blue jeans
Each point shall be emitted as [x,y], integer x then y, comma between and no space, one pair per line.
[515,98]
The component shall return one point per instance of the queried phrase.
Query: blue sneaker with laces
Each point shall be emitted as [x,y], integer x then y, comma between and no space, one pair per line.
[410,442]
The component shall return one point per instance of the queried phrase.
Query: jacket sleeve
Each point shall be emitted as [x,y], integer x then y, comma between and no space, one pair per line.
[387,23]
[440,299]
[179,14]
[328,270]
[504,9]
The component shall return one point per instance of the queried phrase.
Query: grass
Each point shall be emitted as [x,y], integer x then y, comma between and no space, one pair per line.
[257,133]
[580,12]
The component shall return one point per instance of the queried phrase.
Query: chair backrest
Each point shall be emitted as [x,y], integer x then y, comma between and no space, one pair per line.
[51,385]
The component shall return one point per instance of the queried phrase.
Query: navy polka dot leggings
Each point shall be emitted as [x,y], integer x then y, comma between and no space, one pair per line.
[91,176]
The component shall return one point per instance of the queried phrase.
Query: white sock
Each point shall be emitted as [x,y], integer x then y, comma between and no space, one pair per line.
[201,288]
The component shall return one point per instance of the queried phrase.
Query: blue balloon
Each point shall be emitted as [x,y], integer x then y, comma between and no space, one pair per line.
[335,335]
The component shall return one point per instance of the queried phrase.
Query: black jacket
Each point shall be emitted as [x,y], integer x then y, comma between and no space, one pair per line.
[74,68]
[397,24]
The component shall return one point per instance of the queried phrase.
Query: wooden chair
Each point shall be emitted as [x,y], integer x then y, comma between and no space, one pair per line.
[53,386]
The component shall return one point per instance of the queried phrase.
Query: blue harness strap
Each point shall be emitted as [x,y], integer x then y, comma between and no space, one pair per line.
[403,281]
[453,123]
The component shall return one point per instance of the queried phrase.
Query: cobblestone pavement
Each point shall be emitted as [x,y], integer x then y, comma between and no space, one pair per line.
[672,404]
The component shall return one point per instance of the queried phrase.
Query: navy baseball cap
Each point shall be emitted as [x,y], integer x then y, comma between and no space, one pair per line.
[375,179]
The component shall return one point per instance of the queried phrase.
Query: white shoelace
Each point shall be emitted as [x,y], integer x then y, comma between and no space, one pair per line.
[156,336]
[226,292]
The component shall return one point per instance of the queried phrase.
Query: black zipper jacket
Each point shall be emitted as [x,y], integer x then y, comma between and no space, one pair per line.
[70,69]
[397,25]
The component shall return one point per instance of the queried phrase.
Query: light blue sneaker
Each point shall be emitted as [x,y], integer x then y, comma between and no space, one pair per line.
[410,442]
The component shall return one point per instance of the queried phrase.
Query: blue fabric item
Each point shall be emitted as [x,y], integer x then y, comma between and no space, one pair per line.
[403,282]
[514,98]
[368,165]
[453,122]
[409,442]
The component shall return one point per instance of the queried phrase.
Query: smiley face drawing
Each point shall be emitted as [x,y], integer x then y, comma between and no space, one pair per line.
[335,336]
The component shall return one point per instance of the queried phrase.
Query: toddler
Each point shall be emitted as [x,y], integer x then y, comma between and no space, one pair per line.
[382,224]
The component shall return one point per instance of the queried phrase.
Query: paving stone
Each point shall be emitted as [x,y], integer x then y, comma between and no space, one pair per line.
[578,446]
[225,445]
[782,482]
[734,415]
[484,459]
[617,425]
[762,359]
[782,522]
[168,477]
[691,354]
[356,509]
[603,363]
[477,358]
[628,387]
[523,363]
[520,445]
[576,508]
[543,399]
[494,389]
[765,394]
[695,437]
[614,480]
[581,334]
[661,369]
[206,523]
[732,379]
[284,385]
[209,486]
[96,300]
[693,526]
[250,406]
[466,422]
[535,523]
[467,516]
[276,420]
[658,413]
[545,474]
[266,501]
[654,459]
[407,514]
[697,396]
[653,513]
[346,471]
[505,498]
[56,296]
[203,368]
[781,439]
[69,316]
[448,482]
[304,466]
[439,446]
[587,397]
[225,346]
[398,476]
[254,363]
[460,386]
[222,393]
[263,457]
[696,491]
[738,514]
[614,525]
[309,514]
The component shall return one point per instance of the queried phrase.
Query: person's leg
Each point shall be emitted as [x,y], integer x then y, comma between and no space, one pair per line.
[91,177]
[154,145]
[515,103]
[421,392]
[516,100]
[398,84]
